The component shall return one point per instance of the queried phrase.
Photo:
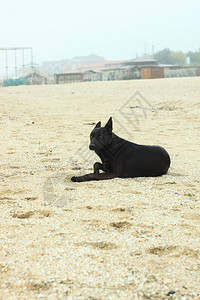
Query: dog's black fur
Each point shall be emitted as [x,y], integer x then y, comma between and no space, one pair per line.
[121,158]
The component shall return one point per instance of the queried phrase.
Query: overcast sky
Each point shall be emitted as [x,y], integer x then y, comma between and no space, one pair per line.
[61,29]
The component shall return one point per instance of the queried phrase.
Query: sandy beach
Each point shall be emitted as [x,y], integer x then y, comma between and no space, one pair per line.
[115,239]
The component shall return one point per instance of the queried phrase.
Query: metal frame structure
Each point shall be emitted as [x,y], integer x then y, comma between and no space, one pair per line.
[23,64]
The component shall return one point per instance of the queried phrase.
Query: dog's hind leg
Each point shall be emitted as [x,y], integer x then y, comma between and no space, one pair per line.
[93,176]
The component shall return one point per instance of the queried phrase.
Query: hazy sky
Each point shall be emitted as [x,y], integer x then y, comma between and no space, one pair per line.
[59,29]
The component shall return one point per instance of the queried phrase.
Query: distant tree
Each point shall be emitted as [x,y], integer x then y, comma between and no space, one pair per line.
[178,58]
[163,56]
[166,56]
[194,58]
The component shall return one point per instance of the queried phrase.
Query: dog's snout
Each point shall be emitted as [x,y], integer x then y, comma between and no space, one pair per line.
[92,146]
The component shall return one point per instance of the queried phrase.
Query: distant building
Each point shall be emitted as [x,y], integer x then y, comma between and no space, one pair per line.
[142,62]
[68,77]
[31,67]
[138,68]
[88,71]
[34,78]
[147,68]
[50,68]
[70,65]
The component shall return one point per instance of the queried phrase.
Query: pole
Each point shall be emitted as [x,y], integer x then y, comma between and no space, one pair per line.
[23,63]
[6,64]
[32,63]
[15,63]
[153,50]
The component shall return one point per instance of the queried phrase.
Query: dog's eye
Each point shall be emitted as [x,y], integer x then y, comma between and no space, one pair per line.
[101,136]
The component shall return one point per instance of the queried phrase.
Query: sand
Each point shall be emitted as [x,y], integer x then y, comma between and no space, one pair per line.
[116,239]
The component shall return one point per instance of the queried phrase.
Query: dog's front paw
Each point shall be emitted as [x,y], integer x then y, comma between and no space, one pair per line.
[76,179]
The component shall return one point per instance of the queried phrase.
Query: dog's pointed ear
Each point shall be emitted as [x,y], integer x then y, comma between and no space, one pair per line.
[109,124]
[98,125]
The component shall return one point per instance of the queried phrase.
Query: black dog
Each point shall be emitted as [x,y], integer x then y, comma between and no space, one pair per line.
[121,158]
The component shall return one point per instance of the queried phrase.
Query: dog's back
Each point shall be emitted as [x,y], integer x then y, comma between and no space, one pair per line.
[140,160]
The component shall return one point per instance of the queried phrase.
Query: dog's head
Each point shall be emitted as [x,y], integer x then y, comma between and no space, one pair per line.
[101,137]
